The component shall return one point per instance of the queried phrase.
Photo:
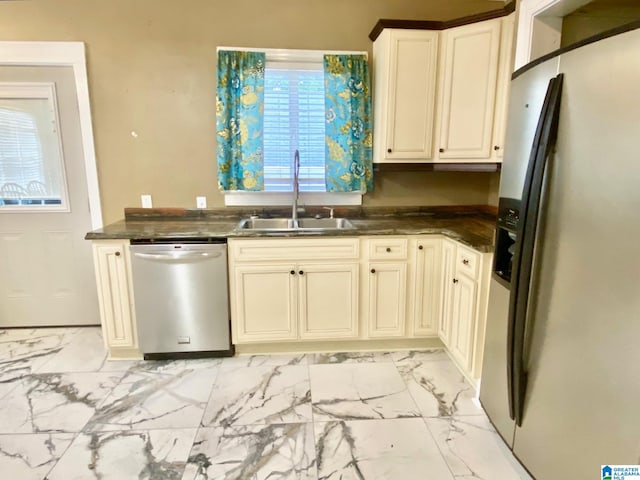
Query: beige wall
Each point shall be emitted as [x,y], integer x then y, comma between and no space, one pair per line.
[596,17]
[151,66]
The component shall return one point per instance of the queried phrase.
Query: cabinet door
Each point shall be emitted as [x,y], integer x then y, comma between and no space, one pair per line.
[328,298]
[113,277]
[264,302]
[464,314]
[426,305]
[448,276]
[469,66]
[505,69]
[411,93]
[387,299]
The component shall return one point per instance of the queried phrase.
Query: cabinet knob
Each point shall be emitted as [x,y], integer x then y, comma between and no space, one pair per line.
[293,272]
[301,272]
[455,280]
[465,261]
[496,147]
[420,247]
[373,270]
[441,150]
[389,150]
[388,249]
[117,254]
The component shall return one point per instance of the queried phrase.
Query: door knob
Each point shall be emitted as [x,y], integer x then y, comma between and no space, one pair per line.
[465,261]
[117,254]
[420,247]
[301,272]
[455,280]
[293,272]
[388,249]
[441,150]
[373,270]
[389,150]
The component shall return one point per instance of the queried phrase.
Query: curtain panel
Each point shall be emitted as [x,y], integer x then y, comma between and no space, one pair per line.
[349,141]
[239,120]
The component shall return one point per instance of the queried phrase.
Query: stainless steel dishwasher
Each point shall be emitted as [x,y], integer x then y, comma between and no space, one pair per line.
[181,298]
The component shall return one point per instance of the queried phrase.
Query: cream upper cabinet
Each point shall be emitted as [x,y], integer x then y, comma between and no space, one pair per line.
[426,287]
[440,96]
[290,289]
[386,286]
[469,69]
[404,94]
[505,69]
[115,297]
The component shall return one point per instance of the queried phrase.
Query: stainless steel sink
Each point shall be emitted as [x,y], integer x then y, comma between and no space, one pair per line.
[288,224]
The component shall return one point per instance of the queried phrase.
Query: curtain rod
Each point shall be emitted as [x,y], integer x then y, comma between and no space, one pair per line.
[294,52]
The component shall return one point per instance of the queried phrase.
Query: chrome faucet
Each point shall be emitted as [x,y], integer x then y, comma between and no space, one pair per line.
[296,188]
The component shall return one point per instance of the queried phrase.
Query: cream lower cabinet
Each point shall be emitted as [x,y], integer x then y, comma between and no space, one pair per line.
[426,286]
[115,297]
[464,306]
[385,286]
[293,289]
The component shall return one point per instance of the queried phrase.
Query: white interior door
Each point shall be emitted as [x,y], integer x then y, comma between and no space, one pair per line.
[47,270]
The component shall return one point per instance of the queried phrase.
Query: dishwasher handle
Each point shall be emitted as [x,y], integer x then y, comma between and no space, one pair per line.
[178,256]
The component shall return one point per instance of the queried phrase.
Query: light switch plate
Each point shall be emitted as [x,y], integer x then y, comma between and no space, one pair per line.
[146,201]
[201,202]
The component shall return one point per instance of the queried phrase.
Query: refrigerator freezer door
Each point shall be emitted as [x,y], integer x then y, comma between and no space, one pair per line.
[493,388]
[581,409]
[525,104]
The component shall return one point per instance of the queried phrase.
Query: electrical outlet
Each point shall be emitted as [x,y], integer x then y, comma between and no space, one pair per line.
[201,202]
[146,201]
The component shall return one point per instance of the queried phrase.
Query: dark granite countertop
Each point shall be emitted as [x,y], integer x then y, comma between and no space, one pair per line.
[473,226]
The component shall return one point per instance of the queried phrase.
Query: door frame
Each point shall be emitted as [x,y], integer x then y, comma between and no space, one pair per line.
[67,54]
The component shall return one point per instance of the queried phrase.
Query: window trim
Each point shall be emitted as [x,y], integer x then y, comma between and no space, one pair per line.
[68,54]
[245,198]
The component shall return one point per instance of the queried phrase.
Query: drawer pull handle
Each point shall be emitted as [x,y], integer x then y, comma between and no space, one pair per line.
[117,254]
[455,280]
[373,270]
[301,272]
[465,261]
[389,150]
[388,249]
[420,247]
[441,150]
[293,272]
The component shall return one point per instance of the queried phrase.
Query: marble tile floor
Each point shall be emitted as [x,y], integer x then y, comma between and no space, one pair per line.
[66,412]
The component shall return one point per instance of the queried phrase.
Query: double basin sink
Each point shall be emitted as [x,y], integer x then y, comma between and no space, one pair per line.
[297,225]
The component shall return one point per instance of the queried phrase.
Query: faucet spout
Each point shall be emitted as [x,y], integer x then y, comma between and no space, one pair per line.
[296,188]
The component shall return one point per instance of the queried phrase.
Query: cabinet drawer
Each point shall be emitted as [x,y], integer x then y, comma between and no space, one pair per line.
[467,261]
[297,249]
[388,248]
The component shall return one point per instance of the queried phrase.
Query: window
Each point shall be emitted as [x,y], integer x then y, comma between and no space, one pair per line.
[31,173]
[294,119]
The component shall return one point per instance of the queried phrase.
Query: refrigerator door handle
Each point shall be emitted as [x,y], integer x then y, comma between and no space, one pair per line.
[531,200]
[517,254]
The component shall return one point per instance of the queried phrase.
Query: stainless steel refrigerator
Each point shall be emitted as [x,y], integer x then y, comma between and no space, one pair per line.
[561,372]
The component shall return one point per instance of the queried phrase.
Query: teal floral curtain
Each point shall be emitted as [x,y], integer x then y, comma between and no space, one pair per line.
[348,157]
[239,114]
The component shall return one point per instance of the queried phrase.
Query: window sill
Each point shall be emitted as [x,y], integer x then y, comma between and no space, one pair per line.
[255,199]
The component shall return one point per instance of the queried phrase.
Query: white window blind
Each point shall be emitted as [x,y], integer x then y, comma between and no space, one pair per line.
[20,151]
[294,120]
